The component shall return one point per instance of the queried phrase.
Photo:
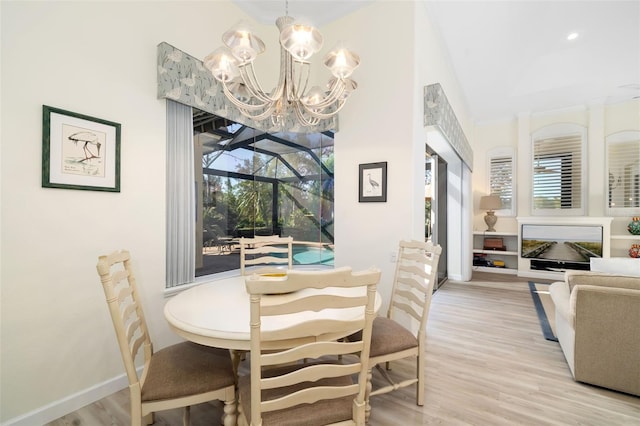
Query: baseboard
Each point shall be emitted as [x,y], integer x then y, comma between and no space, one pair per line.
[66,405]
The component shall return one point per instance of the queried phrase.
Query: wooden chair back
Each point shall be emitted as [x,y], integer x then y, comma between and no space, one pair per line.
[414,279]
[180,375]
[312,374]
[122,296]
[274,253]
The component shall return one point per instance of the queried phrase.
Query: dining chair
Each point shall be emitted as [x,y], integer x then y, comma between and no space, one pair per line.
[177,376]
[294,376]
[414,279]
[272,252]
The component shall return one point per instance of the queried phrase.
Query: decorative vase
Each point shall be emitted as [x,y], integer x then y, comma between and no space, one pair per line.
[634,251]
[634,226]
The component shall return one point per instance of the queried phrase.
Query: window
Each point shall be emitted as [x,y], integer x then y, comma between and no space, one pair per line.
[623,173]
[226,181]
[502,179]
[558,170]
[256,183]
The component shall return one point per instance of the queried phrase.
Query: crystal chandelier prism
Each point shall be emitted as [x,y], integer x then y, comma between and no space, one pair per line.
[232,65]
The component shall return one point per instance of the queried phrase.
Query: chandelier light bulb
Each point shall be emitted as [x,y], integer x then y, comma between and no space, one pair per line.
[314,96]
[341,62]
[243,50]
[302,41]
[244,45]
[222,64]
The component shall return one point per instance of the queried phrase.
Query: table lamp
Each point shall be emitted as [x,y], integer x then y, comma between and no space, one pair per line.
[490,203]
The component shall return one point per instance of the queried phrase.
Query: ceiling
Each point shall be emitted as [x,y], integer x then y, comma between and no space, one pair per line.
[513,56]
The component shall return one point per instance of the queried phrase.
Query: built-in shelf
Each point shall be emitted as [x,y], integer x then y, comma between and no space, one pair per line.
[494,270]
[508,256]
[625,237]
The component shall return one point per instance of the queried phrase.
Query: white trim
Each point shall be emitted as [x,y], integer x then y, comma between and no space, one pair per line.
[70,403]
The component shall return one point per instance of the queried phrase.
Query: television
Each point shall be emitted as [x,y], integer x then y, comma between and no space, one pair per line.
[558,247]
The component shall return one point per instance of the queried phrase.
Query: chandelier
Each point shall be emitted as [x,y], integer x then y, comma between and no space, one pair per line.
[232,66]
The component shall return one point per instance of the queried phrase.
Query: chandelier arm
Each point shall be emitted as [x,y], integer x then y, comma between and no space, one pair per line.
[303,71]
[249,78]
[266,113]
[304,120]
[318,114]
[329,99]
[286,67]
[237,102]
[248,109]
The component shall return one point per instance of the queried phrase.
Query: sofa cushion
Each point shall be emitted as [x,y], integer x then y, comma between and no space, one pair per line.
[574,278]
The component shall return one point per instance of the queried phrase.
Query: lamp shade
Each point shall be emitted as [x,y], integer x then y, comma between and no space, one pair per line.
[490,202]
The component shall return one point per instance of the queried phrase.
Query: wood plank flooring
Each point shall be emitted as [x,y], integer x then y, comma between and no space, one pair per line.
[487,364]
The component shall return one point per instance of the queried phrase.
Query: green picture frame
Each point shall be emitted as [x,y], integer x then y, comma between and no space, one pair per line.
[79,151]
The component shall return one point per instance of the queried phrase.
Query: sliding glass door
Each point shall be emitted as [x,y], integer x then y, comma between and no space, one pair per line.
[436,207]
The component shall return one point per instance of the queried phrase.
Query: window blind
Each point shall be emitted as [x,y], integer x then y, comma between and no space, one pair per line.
[501,179]
[557,172]
[624,174]
[181,213]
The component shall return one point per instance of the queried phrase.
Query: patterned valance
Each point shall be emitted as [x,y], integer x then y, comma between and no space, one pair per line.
[184,79]
[438,112]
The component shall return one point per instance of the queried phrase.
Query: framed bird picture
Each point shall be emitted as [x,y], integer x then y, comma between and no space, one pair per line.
[79,151]
[373,182]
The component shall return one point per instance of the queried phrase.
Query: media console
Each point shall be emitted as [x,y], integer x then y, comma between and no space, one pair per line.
[557,265]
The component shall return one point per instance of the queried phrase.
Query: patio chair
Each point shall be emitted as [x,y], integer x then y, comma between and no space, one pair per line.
[178,376]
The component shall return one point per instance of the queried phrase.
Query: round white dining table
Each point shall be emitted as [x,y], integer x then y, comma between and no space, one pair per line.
[217,313]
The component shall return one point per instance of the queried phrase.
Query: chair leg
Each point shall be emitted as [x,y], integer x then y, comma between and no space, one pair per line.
[146,420]
[420,390]
[367,395]
[231,407]
[186,416]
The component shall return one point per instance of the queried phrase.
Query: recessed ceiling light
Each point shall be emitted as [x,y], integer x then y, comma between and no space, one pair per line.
[572,36]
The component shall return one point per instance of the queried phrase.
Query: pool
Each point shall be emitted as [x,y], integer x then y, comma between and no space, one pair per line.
[312,256]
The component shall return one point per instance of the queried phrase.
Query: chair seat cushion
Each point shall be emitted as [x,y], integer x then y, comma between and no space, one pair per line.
[388,337]
[187,369]
[320,413]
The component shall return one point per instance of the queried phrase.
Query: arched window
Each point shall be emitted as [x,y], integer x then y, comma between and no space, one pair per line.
[558,170]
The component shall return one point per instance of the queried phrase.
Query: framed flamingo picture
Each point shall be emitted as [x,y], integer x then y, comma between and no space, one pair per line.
[79,151]
[373,182]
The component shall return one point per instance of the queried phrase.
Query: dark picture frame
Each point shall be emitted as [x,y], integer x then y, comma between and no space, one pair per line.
[79,151]
[372,182]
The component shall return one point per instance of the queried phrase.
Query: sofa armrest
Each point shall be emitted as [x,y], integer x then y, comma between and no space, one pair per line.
[603,279]
[607,337]
[560,295]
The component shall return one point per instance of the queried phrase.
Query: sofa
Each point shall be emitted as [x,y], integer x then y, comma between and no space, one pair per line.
[598,327]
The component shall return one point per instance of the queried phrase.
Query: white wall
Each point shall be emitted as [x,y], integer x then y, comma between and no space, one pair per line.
[600,121]
[376,126]
[99,59]
[384,122]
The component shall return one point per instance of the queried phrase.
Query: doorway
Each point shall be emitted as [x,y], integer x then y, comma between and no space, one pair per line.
[436,208]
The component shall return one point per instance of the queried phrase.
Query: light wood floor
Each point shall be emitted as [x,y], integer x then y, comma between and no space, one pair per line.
[487,364]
